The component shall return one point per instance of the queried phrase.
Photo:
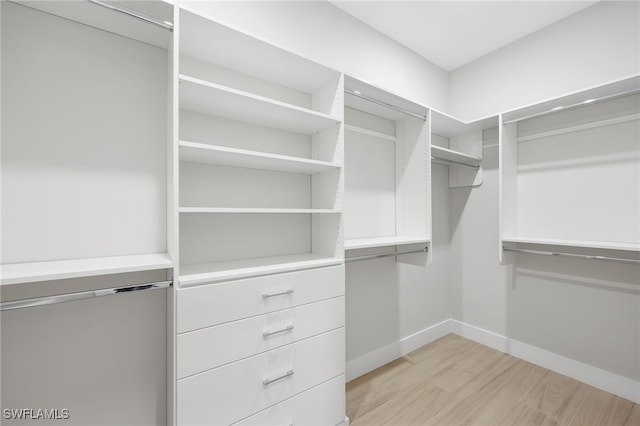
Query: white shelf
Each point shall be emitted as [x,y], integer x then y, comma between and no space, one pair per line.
[253,210]
[18,273]
[368,132]
[221,271]
[213,99]
[361,243]
[237,50]
[451,155]
[225,156]
[574,243]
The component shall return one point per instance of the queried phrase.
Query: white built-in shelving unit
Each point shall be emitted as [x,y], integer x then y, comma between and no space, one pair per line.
[84,165]
[459,145]
[260,149]
[570,173]
[387,169]
[258,172]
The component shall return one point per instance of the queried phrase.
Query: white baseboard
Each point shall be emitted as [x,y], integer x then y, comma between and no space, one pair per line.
[596,377]
[384,355]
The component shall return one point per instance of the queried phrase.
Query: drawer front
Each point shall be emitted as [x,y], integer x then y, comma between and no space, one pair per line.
[323,405]
[234,391]
[213,304]
[211,347]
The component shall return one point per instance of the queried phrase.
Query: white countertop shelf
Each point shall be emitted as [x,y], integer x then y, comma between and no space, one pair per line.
[361,243]
[244,268]
[233,157]
[18,273]
[254,210]
[451,155]
[222,101]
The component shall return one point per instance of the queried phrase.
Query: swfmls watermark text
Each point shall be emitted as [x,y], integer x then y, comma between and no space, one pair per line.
[36,413]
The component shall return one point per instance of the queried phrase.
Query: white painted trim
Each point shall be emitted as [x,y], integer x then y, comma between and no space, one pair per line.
[384,355]
[596,377]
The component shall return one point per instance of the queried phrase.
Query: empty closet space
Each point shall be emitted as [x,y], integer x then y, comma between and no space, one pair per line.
[260,147]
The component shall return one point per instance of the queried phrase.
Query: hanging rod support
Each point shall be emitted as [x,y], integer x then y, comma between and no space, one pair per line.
[577,256]
[386,105]
[49,300]
[573,106]
[378,256]
[443,161]
[134,13]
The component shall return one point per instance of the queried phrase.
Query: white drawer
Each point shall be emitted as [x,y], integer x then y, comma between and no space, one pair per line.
[323,405]
[234,391]
[213,304]
[211,347]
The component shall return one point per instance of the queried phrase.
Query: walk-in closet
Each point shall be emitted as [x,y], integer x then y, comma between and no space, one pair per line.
[320,213]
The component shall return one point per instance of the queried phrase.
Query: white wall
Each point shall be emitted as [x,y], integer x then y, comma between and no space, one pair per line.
[596,45]
[323,33]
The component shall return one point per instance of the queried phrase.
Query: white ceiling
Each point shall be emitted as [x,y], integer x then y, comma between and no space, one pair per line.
[453,33]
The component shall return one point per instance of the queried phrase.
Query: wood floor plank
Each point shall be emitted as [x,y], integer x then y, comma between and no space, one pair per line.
[634,416]
[525,415]
[493,401]
[454,382]
[602,409]
[415,406]
[557,396]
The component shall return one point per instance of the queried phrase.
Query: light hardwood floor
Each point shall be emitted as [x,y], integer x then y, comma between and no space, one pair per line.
[454,381]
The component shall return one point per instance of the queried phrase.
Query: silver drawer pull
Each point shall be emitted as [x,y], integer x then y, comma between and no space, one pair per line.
[284,293]
[267,382]
[271,333]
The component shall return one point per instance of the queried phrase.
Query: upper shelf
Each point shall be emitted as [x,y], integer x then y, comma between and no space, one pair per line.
[213,99]
[575,100]
[105,18]
[605,245]
[246,53]
[385,104]
[18,273]
[454,156]
[225,156]
[445,125]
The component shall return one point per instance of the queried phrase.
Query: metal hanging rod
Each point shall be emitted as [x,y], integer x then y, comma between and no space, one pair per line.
[125,10]
[49,300]
[447,162]
[377,256]
[578,256]
[574,106]
[384,104]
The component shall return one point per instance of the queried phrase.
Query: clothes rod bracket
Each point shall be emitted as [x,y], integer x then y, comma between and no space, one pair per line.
[378,256]
[59,298]
[574,255]
[386,105]
[125,10]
